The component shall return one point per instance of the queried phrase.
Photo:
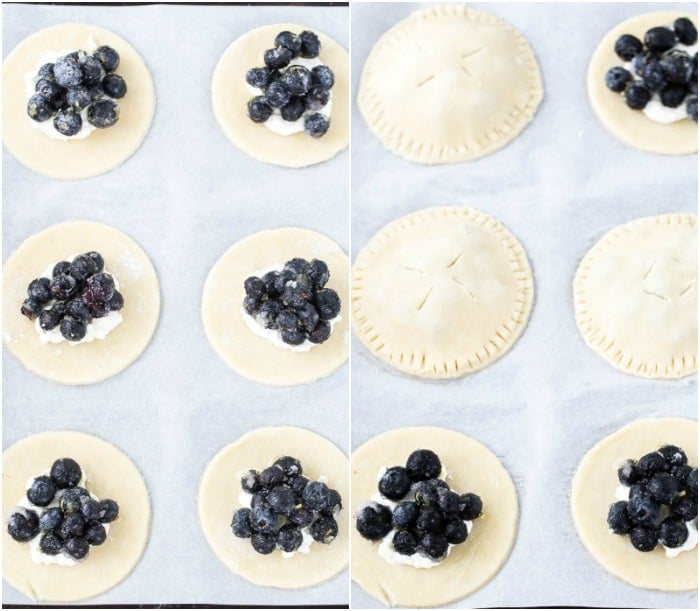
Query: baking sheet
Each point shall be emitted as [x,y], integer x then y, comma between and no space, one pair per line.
[185,197]
[558,187]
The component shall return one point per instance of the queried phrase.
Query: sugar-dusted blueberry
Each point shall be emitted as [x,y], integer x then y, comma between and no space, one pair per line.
[109,511]
[116,302]
[291,467]
[23,524]
[297,485]
[301,516]
[98,307]
[289,538]
[48,88]
[643,509]
[46,71]
[308,317]
[628,473]
[470,506]
[281,499]
[618,518]
[680,473]
[692,108]
[268,313]
[50,544]
[78,98]
[663,487]
[429,519]
[405,514]
[318,273]
[263,543]
[297,80]
[310,44]
[259,109]
[298,266]
[659,39]
[373,521]
[73,525]
[77,548]
[455,530]
[103,113]
[279,57]
[448,502]
[317,98]
[96,92]
[51,519]
[39,290]
[405,542]
[685,30]
[70,500]
[240,523]
[66,473]
[322,76]
[433,545]
[324,529]
[97,259]
[287,320]
[271,477]
[82,267]
[422,464]
[316,496]
[61,268]
[108,57]
[31,308]
[102,286]
[51,317]
[259,499]
[67,122]
[250,482]
[637,96]
[263,519]
[673,533]
[73,329]
[692,481]
[316,125]
[294,109]
[90,509]
[296,296]
[644,538]
[652,463]
[426,492]
[254,287]
[277,95]
[685,507]
[654,76]
[290,41]
[39,108]
[95,533]
[42,491]
[334,505]
[320,333]
[258,77]
[627,46]
[114,86]
[394,483]
[67,72]
[327,304]
[92,70]
[251,305]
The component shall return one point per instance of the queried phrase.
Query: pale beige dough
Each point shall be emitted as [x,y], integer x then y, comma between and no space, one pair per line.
[441,292]
[100,359]
[633,127]
[104,149]
[248,354]
[230,95]
[218,498]
[111,475]
[448,84]
[593,491]
[471,467]
[636,296]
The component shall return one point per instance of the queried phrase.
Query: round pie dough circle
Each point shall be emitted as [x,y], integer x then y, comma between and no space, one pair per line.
[111,474]
[593,491]
[104,149]
[635,296]
[248,354]
[449,83]
[100,359]
[218,497]
[230,95]
[441,292]
[631,126]
[471,467]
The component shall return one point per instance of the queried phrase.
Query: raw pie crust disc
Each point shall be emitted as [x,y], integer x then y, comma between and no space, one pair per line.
[633,127]
[441,292]
[102,358]
[104,149]
[471,467]
[218,497]
[255,357]
[593,491]
[636,299]
[449,83]
[111,475]
[230,95]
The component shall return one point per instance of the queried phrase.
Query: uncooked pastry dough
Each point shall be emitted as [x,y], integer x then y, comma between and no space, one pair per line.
[471,467]
[636,296]
[249,354]
[218,497]
[593,491]
[441,292]
[104,149]
[631,126]
[111,475]
[449,83]
[230,95]
[94,361]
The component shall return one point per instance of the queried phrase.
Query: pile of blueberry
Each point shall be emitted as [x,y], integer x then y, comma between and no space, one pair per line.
[76,82]
[428,517]
[657,67]
[294,301]
[77,292]
[292,89]
[71,520]
[663,496]
[283,503]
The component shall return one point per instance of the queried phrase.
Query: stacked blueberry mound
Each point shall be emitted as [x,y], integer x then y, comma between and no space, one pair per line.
[77,292]
[66,517]
[76,87]
[290,88]
[286,509]
[424,515]
[664,67]
[293,301]
[663,501]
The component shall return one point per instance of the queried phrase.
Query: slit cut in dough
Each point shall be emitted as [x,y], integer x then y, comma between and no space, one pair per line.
[100,359]
[218,497]
[111,475]
[471,467]
[230,95]
[104,149]
[593,491]
[442,292]
[448,84]
[636,296]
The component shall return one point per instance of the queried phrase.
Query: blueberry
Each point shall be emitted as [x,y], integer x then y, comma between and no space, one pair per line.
[673,96]
[259,110]
[109,511]
[116,302]
[62,267]
[42,491]
[317,98]
[31,308]
[39,290]
[692,108]
[430,519]
[290,466]
[320,333]
[641,60]
[268,313]
[685,507]
[433,545]
[108,57]
[298,266]
[92,69]
[289,538]
[70,501]
[67,122]
[66,473]
[334,505]
[78,98]
[48,88]
[258,77]
[297,485]
[628,473]
[676,67]
[308,317]
[250,482]
[281,500]
[103,114]
[470,506]
[316,496]
[293,110]
[627,46]
[301,517]
[405,542]
[278,57]
[96,92]
[240,524]
[259,499]
[617,78]
[114,86]
[654,76]
[290,41]
[324,529]
[296,296]
[102,286]
[97,260]
[455,531]
[277,95]
[263,519]
[328,304]
[263,543]
[663,487]
[67,72]
[73,525]
[422,464]
[373,521]
[95,533]
[426,492]
[77,547]
[296,80]
[50,318]
[287,320]
[618,518]
[672,533]
[310,45]
[90,508]
[644,538]
[448,502]
[322,76]
[98,308]
[251,305]
[82,267]
[692,481]
[685,31]
[395,483]
[652,463]
[50,544]
[46,71]
[23,525]
[271,477]
[405,514]
[51,519]
[73,329]
[643,509]
[681,473]
[637,96]
[39,108]
[659,39]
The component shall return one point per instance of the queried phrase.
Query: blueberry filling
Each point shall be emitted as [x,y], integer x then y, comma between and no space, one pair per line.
[416,514]
[286,509]
[63,518]
[293,302]
[78,88]
[663,68]
[78,292]
[290,89]
[662,501]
